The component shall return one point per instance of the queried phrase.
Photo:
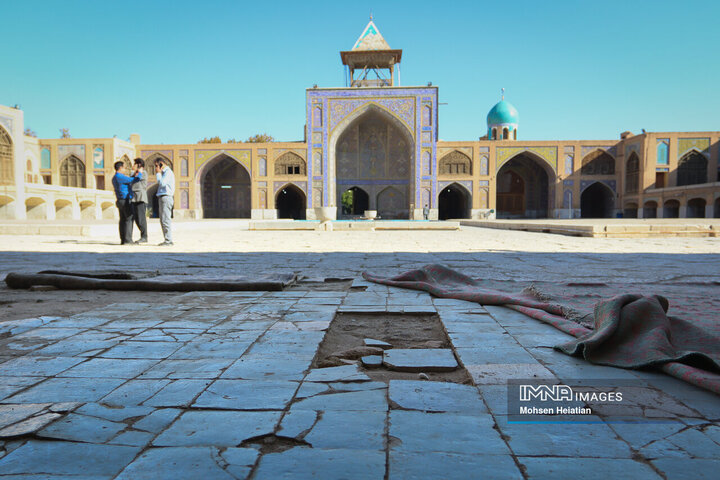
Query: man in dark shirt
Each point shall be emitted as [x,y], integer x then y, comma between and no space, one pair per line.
[123,193]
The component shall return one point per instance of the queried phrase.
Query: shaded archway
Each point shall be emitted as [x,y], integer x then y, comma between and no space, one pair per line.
[671,209]
[523,188]
[63,209]
[454,202]
[598,162]
[355,201]
[225,186]
[7,207]
[630,210]
[35,208]
[650,209]
[696,208]
[692,169]
[290,202]
[597,201]
[632,174]
[374,152]
[717,208]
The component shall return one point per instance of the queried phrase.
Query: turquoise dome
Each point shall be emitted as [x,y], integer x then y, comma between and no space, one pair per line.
[502,113]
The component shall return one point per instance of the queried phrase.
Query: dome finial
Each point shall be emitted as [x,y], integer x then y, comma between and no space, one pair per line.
[371,15]
[502,94]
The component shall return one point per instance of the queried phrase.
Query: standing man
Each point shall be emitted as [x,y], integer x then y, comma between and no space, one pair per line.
[123,194]
[165,192]
[426,212]
[139,198]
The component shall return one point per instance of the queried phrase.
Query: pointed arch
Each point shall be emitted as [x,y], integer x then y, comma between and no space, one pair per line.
[151,159]
[224,186]
[290,202]
[632,174]
[597,200]
[455,163]
[525,187]
[692,169]
[7,158]
[354,202]
[598,162]
[696,208]
[454,201]
[505,133]
[391,204]
[290,163]
[369,148]
[650,209]
[72,172]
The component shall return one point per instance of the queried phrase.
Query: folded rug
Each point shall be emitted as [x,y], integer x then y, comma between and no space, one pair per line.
[627,331]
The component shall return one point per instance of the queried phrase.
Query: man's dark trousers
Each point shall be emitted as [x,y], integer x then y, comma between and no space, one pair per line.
[140,218]
[126,220]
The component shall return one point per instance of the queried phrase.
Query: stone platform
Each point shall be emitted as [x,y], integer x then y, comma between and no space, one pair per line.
[609,228]
[352,225]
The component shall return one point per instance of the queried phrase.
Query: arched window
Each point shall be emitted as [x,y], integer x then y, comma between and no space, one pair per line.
[150,161]
[72,172]
[662,153]
[455,163]
[493,136]
[506,133]
[632,174]
[598,162]
[184,199]
[692,169]
[515,134]
[317,117]
[28,172]
[45,158]
[290,163]
[7,171]
[183,166]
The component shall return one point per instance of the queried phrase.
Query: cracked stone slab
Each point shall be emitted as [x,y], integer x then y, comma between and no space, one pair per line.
[29,425]
[346,429]
[372,361]
[115,414]
[436,396]
[445,432]
[158,420]
[449,466]
[13,413]
[82,428]
[345,373]
[369,400]
[109,368]
[420,360]
[217,428]
[28,366]
[68,390]
[493,374]
[586,468]
[268,367]
[247,395]
[207,368]
[51,459]
[316,463]
[187,463]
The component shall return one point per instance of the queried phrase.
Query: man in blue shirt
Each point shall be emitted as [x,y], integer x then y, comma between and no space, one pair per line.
[123,193]
[165,193]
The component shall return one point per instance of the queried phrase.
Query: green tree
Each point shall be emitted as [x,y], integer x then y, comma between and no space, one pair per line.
[210,140]
[260,138]
[65,133]
[30,132]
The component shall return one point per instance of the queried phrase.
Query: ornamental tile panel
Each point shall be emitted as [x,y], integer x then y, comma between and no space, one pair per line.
[702,145]
[503,154]
[402,108]
[242,156]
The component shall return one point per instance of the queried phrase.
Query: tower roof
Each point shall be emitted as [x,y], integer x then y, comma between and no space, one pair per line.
[370,39]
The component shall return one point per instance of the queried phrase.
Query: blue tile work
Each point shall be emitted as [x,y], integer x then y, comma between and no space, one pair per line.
[337,105]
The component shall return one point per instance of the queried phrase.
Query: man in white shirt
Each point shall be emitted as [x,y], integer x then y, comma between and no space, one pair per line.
[165,192]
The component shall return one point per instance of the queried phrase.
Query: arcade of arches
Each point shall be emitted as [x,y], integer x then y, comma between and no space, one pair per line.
[225,189]
[523,188]
[375,156]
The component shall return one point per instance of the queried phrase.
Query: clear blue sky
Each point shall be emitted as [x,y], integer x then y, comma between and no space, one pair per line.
[177,71]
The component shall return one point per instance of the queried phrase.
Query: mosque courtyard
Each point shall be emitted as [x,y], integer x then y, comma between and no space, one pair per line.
[279,384]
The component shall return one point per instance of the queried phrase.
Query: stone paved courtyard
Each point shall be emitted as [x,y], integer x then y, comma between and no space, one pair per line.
[134,385]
